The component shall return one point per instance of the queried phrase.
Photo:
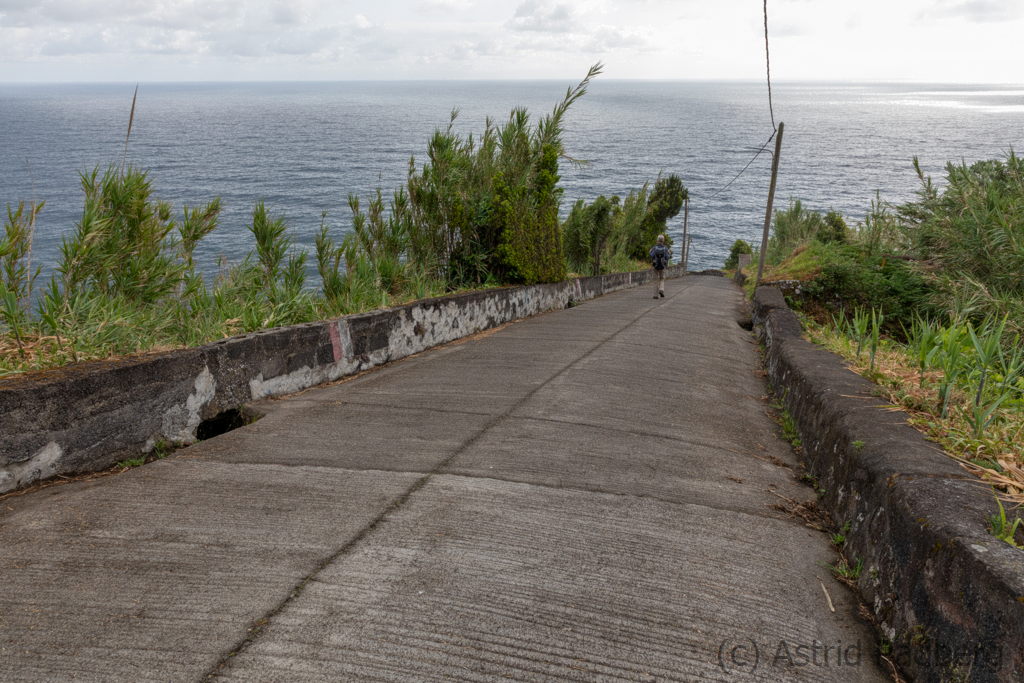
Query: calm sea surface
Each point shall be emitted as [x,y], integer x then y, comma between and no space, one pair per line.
[305,146]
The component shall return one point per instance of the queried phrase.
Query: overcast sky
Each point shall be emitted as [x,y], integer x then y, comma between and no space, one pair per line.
[187,40]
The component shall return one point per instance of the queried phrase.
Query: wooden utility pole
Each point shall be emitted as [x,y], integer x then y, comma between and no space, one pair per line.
[686,261]
[771,198]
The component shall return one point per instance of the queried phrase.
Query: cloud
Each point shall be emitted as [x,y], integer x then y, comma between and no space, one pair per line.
[305,42]
[362,23]
[608,38]
[284,14]
[532,16]
[786,30]
[7,6]
[76,44]
[442,6]
[171,14]
[973,11]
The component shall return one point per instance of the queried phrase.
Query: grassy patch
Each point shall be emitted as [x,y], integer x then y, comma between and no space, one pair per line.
[482,211]
[971,405]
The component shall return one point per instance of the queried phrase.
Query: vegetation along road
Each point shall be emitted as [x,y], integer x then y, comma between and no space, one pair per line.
[592,494]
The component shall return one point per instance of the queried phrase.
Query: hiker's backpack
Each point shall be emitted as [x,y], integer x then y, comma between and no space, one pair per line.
[660,257]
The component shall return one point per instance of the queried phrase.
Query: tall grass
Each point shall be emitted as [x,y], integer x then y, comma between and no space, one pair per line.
[126,279]
[17,278]
[796,226]
[615,235]
[972,235]
[481,211]
[962,384]
[946,268]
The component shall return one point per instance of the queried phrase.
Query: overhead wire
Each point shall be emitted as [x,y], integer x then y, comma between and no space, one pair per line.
[756,154]
[768,65]
[771,111]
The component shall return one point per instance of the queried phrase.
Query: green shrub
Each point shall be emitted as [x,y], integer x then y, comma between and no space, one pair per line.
[849,279]
[664,202]
[488,207]
[738,247]
[632,227]
[972,233]
[585,232]
[833,230]
[790,228]
[526,220]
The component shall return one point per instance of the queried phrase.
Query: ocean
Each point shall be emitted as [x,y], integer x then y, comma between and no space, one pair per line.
[305,146]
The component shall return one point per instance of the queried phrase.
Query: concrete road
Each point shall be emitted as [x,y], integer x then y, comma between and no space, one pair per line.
[584,495]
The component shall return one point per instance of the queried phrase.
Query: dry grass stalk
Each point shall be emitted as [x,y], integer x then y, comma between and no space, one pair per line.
[131,117]
[809,511]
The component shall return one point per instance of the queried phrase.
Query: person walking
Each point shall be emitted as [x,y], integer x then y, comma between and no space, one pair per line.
[661,256]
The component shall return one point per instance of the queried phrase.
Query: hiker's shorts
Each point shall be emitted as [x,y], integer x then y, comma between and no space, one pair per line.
[659,280]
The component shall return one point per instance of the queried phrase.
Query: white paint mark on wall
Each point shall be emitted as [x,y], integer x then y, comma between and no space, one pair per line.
[341,340]
[40,466]
[180,421]
[303,378]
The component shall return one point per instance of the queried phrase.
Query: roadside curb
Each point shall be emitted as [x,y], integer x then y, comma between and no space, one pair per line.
[948,595]
[86,417]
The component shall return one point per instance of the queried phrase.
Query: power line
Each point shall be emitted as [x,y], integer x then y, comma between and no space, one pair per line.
[757,154]
[775,129]
[768,65]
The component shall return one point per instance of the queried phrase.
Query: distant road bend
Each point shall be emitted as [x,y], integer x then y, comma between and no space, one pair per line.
[579,496]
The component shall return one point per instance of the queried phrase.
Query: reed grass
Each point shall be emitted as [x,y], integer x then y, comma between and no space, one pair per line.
[957,384]
[481,212]
[613,235]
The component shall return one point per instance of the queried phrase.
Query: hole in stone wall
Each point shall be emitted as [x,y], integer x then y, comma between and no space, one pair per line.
[747,324]
[220,423]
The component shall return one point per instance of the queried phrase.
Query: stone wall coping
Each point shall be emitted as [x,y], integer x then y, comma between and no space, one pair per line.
[939,584]
[87,416]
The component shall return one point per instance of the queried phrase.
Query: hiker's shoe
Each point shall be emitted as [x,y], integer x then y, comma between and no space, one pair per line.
[662,294]
[655,296]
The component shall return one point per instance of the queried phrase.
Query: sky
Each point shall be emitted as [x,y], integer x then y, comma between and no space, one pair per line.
[965,41]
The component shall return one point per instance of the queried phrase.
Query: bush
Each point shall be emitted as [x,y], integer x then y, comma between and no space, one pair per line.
[738,247]
[955,254]
[632,227]
[833,230]
[848,279]
[488,207]
[525,219]
[796,225]
[585,232]
[972,233]
[665,202]
[790,228]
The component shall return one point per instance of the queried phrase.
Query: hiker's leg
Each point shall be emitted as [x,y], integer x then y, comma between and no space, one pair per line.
[661,281]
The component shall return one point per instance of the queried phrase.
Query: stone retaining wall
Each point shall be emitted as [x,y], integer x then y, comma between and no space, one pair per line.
[87,416]
[948,595]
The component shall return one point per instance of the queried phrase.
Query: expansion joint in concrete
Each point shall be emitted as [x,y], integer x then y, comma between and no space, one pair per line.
[709,443]
[627,496]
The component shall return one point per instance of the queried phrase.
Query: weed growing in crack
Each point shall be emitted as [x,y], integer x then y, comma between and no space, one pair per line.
[845,572]
[789,428]
[132,462]
[999,525]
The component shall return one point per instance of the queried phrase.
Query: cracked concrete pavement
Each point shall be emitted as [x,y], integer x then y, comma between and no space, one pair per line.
[583,495]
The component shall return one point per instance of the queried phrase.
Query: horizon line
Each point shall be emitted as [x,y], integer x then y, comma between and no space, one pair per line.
[781,81]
